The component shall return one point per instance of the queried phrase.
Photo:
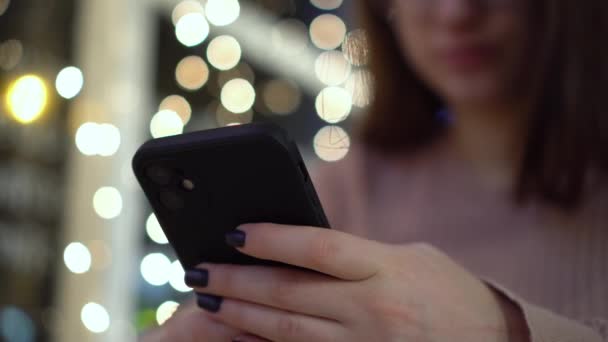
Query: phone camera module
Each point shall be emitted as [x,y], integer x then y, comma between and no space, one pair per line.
[188,184]
[171,200]
[159,175]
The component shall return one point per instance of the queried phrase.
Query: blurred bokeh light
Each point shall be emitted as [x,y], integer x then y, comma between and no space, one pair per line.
[165,311]
[154,230]
[179,105]
[69,82]
[332,68]
[238,95]
[192,73]
[224,52]
[26,98]
[327,31]
[192,29]
[331,143]
[95,317]
[166,123]
[156,269]
[222,12]
[77,257]
[333,104]
[107,202]
[327,4]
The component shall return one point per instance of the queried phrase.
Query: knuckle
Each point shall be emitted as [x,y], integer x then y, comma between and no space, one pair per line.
[280,293]
[423,247]
[323,249]
[391,312]
[225,278]
[282,289]
[288,327]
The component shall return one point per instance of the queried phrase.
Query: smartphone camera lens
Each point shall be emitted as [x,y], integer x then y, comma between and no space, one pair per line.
[188,184]
[171,200]
[159,175]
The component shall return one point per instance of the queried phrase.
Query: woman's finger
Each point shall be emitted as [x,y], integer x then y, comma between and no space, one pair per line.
[269,323]
[328,251]
[249,338]
[295,290]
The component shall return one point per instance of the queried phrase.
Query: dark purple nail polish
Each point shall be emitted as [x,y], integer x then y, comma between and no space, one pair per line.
[196,278]
[236,238]
[207,302]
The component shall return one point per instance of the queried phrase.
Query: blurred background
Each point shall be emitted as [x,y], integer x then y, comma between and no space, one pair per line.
[85,82]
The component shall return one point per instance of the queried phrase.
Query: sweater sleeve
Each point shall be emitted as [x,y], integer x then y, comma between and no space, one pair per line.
[546,326]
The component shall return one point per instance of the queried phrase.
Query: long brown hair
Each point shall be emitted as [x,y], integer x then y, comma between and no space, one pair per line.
[567,80]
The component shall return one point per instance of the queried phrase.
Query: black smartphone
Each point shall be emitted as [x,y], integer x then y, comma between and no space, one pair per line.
[204,184]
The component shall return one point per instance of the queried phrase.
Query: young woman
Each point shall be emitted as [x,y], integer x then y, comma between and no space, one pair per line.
[488,222]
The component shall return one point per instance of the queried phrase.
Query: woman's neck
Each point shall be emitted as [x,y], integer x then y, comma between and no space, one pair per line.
[491,139]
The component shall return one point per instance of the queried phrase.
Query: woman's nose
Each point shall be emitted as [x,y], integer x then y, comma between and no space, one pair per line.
[457,12]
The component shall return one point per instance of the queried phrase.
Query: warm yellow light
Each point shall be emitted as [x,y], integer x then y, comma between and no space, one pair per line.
[327,4]
[331,143]
[334,104]
[192,73]
[192,29]
[281,96]
[224,52]
[179,105]
[238,95]
[327,31]
[165,311]
[332,68]
[27,98]
[222,12]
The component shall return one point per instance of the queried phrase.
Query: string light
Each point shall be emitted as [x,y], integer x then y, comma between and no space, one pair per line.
[238,95]
[165,311]
[192,73]
[326,4]
[192,29]
[107,202]
[281,96]
[332,68]
[27,98]
[98,139]
[176,279]
[95,317]
[327,31]
[166,123]
[177,104]
[186,7]
[359,86]
[333,104]
[356,47]
[77,258]
[224,52]
[222,12]
[155,269]
[154,230]
[69,82]
[331,143]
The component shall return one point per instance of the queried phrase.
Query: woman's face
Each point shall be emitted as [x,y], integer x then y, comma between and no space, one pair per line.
[468,51]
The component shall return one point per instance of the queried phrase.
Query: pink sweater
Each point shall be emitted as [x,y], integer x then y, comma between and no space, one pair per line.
[554,267]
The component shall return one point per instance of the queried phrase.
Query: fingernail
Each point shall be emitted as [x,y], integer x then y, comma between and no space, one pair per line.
[196,278]
[236,238]
[207,302]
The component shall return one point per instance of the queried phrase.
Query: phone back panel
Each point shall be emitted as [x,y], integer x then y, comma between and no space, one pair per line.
[241,174]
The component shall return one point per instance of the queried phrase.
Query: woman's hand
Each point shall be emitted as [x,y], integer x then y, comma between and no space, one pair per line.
[364,291]
[190,324]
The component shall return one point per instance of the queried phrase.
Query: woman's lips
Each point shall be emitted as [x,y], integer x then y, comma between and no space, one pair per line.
[466,58]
